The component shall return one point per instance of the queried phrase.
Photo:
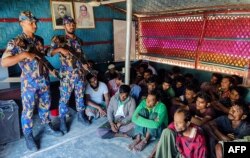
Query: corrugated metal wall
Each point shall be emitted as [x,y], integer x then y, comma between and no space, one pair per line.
[99,40]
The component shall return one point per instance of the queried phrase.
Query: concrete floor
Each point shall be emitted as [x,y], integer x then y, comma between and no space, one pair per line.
[80,142]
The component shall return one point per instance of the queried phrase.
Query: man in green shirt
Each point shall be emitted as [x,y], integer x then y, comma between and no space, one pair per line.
[150,118]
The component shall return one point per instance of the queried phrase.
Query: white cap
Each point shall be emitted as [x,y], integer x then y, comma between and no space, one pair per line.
[111,66]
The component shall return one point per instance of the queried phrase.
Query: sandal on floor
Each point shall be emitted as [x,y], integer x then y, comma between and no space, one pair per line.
[140,146]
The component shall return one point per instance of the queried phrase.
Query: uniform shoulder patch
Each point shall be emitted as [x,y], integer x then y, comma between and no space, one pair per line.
[10,45]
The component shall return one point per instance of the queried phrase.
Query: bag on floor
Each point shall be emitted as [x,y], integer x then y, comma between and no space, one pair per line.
[9,121]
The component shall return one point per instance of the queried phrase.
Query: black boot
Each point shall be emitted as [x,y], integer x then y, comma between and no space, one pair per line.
[81,116]
[90,118]
[30,142]
[63,126]
[50,131]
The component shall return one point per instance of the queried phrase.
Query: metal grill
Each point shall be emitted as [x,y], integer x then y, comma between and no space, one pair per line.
[215,42]
[170,37]
[227,40]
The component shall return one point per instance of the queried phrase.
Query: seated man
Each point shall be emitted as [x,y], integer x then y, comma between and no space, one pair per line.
[140,69]
[228,128]
[212,86]
[115,83]
[182,138]
[186,100]
[150,118]
[111,73]
[95,92]
[201,110]
[166,92]
[179,86]
[120,110]
[223,91]
[151,86]
[146,75]
[135,92]
[222,106]
[91,65]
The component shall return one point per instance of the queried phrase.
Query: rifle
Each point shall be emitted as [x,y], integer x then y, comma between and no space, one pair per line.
[42,62]
[61,42]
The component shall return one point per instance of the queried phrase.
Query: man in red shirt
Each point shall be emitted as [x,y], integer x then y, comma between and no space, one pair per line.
[182,138]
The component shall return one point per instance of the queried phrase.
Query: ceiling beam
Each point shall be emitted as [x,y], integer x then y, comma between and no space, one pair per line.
[120,10]
[194,10]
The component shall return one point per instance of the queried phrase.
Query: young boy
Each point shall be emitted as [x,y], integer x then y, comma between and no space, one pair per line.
[201,111]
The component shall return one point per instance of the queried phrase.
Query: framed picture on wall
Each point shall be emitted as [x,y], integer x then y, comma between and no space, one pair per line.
[84,15]
[59,9]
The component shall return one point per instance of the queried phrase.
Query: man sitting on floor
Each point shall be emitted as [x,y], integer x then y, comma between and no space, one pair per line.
[150,118]
[182,138]
[228,128]
[95,92]
[120,110]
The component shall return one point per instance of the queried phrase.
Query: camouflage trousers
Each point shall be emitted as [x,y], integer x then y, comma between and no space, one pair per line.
[34,93]
[67,85]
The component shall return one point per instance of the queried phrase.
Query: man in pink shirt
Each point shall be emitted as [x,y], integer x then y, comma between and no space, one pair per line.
[182,138]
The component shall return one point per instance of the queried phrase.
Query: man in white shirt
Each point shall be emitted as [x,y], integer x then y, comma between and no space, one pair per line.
[95,92]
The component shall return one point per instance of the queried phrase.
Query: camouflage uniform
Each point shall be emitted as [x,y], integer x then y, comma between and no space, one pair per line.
[72,75]
[34,82]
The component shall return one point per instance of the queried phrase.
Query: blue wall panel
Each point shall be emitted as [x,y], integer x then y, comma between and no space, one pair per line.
[41,9]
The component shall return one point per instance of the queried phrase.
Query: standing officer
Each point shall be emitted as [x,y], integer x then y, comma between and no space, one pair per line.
[71,72]
[34,77]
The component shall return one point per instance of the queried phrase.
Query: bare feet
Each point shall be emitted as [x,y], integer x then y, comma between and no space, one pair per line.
[135,142]
[140,146]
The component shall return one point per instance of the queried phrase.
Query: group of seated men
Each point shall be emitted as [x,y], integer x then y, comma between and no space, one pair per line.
[191,119]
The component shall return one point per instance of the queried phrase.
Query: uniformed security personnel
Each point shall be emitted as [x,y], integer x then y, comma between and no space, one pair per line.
[34,78]
[71,72]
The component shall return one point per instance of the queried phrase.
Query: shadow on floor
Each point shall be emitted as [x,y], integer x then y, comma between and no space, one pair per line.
[79,142]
